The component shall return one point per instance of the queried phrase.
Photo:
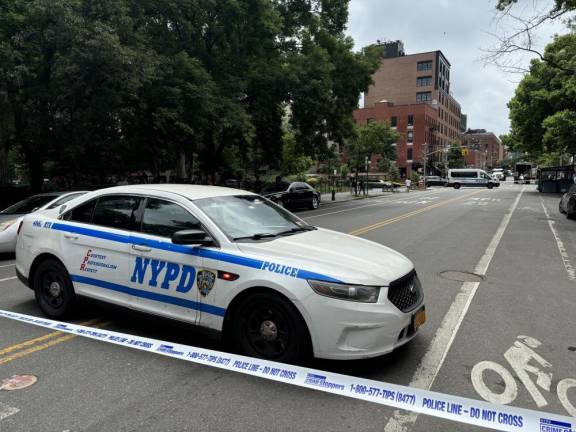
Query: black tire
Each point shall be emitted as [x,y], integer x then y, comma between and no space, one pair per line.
[315,203]
[428,185]
[456,185]
[571,209]
[265,325]
[490,185]
[53,289]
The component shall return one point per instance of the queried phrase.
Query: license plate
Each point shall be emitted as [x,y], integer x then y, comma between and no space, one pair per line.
[419,318]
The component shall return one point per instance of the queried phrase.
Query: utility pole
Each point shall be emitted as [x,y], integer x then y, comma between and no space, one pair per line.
[424,157]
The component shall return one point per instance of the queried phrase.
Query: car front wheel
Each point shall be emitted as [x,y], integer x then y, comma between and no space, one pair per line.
[53,289]
[490,185]
[267,326]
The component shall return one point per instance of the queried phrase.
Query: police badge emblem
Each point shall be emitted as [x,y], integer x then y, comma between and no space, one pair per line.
[205,281]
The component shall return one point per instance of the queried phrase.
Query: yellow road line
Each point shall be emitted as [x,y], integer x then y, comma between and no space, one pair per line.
[389,221]
[41,346]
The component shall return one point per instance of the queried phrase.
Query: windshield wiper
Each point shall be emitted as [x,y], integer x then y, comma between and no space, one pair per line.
[297,230]
[257,236]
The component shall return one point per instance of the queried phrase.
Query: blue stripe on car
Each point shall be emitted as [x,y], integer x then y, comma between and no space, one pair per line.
[190,304]
[187,250]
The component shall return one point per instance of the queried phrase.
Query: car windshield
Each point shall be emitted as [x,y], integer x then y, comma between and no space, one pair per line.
[250,217]
[29,205]
[276,187]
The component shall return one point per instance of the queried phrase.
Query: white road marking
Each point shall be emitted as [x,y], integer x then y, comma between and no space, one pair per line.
[7,279]
[8,265]
[438,350]
[377,202]
[562,390]
[570,269]
[7,411]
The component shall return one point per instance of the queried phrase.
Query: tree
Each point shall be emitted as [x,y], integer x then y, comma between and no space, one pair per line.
[543,108]
[372,138]
[519,33]
[294,161]
[97,88]
[455,156]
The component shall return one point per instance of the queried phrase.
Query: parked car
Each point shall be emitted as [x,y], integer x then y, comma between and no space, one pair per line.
[292,195]
[499,174]
[435,181]
[10,217]
[567,204]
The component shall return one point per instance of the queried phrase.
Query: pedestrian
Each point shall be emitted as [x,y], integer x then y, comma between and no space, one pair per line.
[408,184]
[362,187]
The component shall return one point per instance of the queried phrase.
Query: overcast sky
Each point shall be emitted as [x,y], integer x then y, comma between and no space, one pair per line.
[459,28]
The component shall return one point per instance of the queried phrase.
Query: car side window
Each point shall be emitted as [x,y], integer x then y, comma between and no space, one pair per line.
[81,213]
[164,218]
[116,211]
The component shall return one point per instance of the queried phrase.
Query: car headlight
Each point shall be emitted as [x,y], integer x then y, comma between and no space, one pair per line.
[7,224]
[359,293]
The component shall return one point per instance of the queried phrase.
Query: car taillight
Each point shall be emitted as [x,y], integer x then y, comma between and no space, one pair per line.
[19,227]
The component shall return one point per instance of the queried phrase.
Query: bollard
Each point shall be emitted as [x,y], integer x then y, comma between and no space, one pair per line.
[333,195]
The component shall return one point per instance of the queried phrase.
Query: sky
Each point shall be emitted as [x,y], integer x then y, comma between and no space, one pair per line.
[460,29]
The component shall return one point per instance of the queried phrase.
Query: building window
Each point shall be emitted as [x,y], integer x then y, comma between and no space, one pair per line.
[424,81]
[410,136]
[409,154]
[393,121]
[424,66]
[410,120]
[423,96]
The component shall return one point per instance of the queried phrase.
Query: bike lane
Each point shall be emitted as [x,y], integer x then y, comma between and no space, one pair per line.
[518,340]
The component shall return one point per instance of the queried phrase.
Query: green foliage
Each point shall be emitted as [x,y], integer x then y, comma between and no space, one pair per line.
[559,5]
[102,87]
[372,138]
[455,157]
[544,105]
[294,162]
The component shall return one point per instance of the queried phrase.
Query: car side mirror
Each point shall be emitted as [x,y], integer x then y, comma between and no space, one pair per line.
[196,237]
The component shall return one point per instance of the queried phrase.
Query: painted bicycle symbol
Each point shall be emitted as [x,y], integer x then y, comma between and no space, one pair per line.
[533,371]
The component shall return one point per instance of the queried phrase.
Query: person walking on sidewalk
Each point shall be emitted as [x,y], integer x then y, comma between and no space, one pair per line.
[408,184]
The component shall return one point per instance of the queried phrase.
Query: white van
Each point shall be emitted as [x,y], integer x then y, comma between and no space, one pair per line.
[470,177]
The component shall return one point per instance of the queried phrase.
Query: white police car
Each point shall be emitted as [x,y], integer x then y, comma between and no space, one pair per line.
[228,260]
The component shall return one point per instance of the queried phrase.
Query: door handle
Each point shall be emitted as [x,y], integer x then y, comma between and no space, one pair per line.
[141,248]
[71,236]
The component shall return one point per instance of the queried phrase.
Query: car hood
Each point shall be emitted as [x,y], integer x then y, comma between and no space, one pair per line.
[335,255]
[7,217]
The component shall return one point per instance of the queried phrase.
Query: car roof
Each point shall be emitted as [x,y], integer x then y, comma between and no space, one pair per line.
[189,191]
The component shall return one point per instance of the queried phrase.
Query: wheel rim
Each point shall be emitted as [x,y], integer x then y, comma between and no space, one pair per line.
[52,288]
[267,331]
[315,202]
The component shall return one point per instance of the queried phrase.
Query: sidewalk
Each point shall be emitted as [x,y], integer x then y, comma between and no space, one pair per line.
[348,196]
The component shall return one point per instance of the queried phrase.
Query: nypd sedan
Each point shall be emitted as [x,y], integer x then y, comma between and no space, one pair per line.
[229,260]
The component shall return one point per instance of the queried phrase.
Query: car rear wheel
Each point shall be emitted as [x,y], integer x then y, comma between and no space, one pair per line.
[53,289]
[314,204]
[267,326]
[456,185]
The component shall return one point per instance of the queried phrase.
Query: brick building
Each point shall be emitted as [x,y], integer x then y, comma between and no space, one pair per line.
[411,80]
[484,149]
[414,122]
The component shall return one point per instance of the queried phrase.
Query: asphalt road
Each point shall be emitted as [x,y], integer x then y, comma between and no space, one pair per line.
[512,236]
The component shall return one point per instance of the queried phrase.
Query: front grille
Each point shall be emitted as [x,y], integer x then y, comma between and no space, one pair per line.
[406,292]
